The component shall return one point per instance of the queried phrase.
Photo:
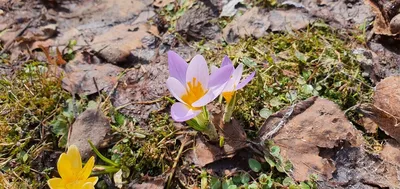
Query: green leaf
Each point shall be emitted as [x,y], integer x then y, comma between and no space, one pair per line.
[265,113]
[263,178]
[215,183]
[232,187]
[300,56]
[254,165]
[304,186]
[237,179]
[226,183]
[119,119]
[275,102]
[249,62]
[307,89]
[170,7]
[245,178]
[270,162]
[275,150]
[287,181]
[253,185]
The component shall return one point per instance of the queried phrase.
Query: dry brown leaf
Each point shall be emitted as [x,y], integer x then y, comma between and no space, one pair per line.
[91,125]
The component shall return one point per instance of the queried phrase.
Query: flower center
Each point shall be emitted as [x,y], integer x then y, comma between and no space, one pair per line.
[228,95]
[194,91]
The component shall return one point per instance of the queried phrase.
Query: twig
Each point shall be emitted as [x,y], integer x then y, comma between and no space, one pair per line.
[176,160]
[283,121]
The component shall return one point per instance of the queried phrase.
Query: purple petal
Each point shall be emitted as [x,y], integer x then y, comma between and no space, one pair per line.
[230,86]
[213,68]
[198,69]
[180,112]
[237,74]
[226,61]
[176,88]
[220,76]
[245,81]
[218,81]
[177,66]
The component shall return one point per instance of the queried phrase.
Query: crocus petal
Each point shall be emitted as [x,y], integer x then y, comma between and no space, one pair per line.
[180,112]
[75,158]
[220,76]
[87,169]
[56,183]
[217,83]
[237,74]
[226,61]
[176,88]
[88,185]
[213,68]
[177,67]
[198,69]
[93,180]
[245,81]
[64,168]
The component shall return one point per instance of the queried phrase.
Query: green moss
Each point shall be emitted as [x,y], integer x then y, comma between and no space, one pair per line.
[146,152]
[29,102]
[293,67]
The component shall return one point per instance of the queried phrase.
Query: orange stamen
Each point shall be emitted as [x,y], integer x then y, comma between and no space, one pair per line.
[194,91]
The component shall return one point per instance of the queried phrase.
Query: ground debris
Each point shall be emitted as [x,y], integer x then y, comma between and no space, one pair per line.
[327,144]
[91,125]
[387,20]
[257,22]
[196,23]
[139,87]
[384,111]
[80,78]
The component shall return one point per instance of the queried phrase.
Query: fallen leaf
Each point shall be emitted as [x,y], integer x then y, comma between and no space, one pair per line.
[256,22]
[197,23]
[229,9]
[318,123]
[79,77]
[384,111]
[116,44]
[91,125]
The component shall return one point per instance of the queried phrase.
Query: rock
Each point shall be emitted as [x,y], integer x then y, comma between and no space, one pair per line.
[91,125]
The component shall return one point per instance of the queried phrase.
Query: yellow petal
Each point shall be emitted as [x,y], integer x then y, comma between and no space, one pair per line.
[88,185]
[85,172]
[92,180]
[64,168]
[56,183]
[75,159]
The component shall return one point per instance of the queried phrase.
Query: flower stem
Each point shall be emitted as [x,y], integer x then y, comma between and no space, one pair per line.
[203,124]
[229,107]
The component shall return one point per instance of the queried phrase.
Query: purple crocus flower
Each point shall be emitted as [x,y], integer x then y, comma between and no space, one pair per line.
[234,83]
[192,85]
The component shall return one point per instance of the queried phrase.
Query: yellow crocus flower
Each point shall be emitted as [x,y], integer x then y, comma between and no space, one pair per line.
[73,176]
